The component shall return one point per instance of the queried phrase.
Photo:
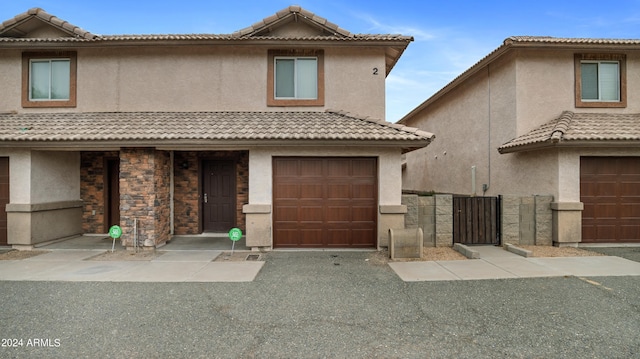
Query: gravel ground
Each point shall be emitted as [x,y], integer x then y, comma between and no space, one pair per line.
[325,305]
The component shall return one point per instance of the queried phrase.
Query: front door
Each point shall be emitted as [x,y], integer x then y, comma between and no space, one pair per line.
[218,196]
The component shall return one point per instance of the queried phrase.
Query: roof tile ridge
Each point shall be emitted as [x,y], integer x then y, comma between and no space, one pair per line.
[382,122]
[561,127]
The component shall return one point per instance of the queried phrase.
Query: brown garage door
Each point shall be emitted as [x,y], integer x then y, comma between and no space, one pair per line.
[325,202]
[610,191]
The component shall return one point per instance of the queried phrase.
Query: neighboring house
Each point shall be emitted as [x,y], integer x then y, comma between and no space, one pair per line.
[277,129]
[542,116]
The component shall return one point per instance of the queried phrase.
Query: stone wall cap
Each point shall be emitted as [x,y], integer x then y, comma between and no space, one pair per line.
[567,206]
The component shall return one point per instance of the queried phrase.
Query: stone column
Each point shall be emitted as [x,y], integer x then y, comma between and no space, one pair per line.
[567,223]
[144,197]
[444,220]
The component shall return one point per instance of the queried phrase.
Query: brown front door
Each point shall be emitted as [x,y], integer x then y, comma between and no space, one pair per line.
[112,180]
[218,196]
[4,198]
[325,202]
[610,192]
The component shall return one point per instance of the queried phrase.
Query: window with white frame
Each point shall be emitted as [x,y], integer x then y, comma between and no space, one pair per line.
[296,78]
[600,80]
[49,79]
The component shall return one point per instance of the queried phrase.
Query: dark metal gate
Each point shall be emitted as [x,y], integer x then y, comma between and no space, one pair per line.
[476,220]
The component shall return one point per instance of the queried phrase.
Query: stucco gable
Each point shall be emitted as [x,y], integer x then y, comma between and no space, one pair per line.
[37,23]
[293,21]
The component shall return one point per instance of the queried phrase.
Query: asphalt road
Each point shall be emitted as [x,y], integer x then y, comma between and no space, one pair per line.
[319,305]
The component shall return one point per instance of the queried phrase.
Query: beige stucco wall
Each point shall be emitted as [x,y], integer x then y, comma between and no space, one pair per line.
[259,213]
[44,201]
[212,78]
[512,96]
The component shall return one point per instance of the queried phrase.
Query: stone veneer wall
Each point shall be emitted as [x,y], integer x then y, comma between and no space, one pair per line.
[144,196]
[92,187]
[162,200]
[526,220]
[187,190]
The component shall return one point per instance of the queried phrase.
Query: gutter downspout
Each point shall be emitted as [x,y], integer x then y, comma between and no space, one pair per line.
[486,186]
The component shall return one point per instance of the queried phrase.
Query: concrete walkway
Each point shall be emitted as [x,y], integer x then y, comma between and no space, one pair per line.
[193,260]
[496,263]
[174,266]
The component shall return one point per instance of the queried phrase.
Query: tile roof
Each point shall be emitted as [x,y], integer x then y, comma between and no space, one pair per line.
[93,129]
[333,32]
[292,13]
[9,28]
[11,34]
[580,129]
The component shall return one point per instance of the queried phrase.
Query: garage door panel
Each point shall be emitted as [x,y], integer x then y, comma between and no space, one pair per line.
[364,190]
[286,168]
[339,167]
[311,191]
[338,214]
[311,214]
[364,168]
[331,202]
[287,213]
[363,214]
[338,237]
[630,189]
[610,191]
[339,190]
[630,211]
[310,168]
[287,191]
[359,237]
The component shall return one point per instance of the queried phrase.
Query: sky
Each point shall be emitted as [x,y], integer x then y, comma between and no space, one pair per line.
[449,36]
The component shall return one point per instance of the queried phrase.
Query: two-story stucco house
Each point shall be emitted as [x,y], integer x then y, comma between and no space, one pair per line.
[542,116]
[277,129]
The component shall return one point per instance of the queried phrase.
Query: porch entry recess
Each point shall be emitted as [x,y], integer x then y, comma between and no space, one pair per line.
[325,202]
[218,195]
[476,220]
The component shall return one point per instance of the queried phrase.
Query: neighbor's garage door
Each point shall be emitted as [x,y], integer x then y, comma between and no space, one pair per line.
[610,191]
[324,202]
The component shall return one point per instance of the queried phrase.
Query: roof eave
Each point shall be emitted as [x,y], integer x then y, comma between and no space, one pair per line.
[187,144]
[571,144]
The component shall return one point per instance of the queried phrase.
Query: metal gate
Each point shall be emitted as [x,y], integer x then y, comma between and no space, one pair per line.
[476,220]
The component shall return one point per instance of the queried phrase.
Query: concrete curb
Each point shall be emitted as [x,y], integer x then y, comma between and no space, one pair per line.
[519,251]
[466,251]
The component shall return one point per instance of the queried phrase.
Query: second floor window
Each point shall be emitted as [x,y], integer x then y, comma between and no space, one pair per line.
[296,78]
[49,79]
[600,80]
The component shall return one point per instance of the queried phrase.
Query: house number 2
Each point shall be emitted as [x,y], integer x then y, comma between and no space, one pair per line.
[375,70]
